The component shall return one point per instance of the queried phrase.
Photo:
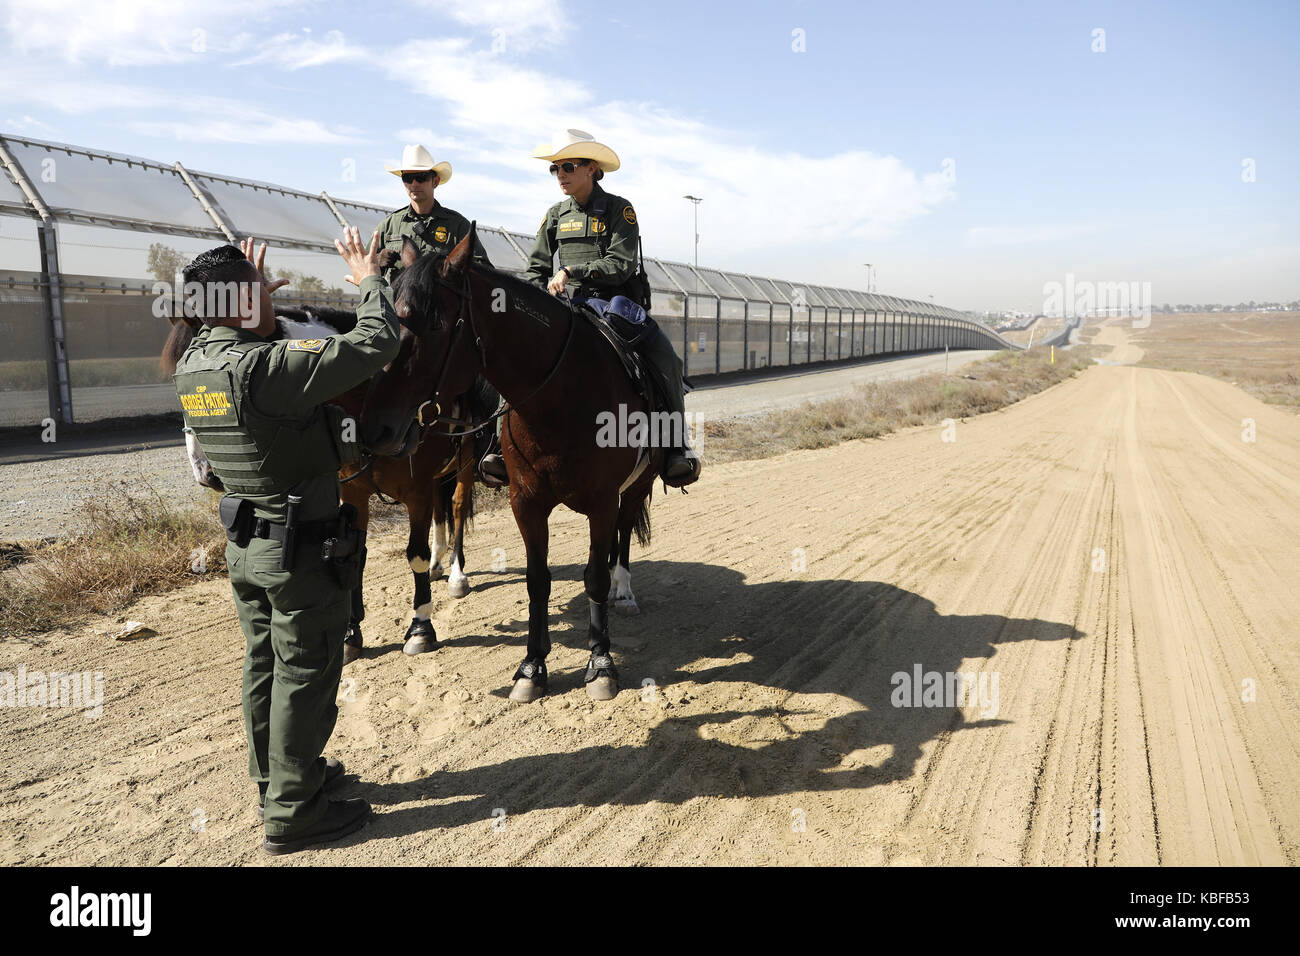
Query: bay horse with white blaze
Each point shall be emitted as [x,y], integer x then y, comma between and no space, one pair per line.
[559,376]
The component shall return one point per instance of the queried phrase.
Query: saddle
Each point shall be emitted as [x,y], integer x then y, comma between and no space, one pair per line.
[645,382]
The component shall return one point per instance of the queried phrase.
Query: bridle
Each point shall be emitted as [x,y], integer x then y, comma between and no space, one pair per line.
[465,320]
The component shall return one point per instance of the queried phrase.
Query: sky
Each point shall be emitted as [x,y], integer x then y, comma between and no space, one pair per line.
[972,152]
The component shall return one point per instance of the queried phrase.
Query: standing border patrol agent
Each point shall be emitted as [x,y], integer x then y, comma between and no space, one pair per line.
[597,239]
[257,410]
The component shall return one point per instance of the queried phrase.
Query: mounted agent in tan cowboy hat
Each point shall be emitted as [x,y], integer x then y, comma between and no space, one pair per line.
[597,240]
[417,159]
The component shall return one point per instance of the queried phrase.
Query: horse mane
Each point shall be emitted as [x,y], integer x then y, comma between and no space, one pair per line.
[182,334]
[533,296]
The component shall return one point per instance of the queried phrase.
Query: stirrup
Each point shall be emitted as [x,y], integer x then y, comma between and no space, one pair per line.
[491,479]
[681,481]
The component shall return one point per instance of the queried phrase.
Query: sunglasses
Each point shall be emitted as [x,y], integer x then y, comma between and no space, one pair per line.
[567,167]
[416,177]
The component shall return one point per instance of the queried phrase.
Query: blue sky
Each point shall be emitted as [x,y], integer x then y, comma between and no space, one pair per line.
[973,152]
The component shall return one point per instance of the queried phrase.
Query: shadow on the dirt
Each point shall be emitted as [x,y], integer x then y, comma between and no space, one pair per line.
[702,623]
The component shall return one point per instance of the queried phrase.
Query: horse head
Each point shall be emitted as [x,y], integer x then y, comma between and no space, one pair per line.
[432,366]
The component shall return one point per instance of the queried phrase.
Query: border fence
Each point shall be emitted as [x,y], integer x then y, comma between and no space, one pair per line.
[86,337]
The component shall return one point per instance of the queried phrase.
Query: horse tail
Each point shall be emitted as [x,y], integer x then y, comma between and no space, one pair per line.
[178,340]
[641,527]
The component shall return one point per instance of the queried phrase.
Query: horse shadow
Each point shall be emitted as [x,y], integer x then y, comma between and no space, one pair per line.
[794,686]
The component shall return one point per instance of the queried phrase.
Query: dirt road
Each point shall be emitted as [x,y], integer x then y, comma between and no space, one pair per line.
[1109,559]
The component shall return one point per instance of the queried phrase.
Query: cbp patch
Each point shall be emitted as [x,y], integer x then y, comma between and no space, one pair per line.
[440,234]
[629,215]
[307,345]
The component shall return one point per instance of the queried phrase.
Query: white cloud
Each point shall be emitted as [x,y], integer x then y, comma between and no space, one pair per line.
[755,196]
[1023,235]
[131,32]
[512,24]
[294,51]
[185,117]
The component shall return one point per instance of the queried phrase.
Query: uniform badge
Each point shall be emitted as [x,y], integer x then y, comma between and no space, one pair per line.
[629,215]
[597,226]
[307,345]
[440,234]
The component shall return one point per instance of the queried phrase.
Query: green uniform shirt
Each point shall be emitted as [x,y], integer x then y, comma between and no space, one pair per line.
[289,380]
[439,232]
[576,233]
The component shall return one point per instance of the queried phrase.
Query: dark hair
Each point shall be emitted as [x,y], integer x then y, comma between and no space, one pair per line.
[223,264]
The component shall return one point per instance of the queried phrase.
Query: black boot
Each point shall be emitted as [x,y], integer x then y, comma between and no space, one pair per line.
[681,469]
[340,819]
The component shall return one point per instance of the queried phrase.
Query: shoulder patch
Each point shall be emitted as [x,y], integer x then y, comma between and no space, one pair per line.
[629,215]
[306,345]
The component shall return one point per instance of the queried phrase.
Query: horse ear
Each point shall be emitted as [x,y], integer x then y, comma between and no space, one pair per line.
[410,252]
[460,256]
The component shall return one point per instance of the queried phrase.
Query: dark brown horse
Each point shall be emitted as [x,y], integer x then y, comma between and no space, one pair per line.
[434,481]
[561,380]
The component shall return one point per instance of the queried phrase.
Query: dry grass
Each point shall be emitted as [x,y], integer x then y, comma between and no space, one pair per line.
[879,408]
[1256,351]
[136,543]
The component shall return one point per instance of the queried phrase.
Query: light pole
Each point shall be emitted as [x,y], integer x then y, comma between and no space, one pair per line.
[696,200]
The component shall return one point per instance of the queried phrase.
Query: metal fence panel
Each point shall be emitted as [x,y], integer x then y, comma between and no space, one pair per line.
[255,209]
[95,186]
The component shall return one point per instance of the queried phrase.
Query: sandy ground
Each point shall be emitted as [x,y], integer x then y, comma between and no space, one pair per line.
[1113,332]
[1111,550]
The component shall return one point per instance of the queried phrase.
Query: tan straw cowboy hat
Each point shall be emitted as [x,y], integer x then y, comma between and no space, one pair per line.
[576,144]
[417,159]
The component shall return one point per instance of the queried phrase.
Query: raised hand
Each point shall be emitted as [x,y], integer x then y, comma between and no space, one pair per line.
[246,247]
[363,262]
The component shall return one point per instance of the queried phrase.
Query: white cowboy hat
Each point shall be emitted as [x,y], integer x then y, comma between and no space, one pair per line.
[576,144]
[417,159]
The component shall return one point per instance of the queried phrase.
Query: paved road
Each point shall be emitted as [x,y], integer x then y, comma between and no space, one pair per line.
[795,387]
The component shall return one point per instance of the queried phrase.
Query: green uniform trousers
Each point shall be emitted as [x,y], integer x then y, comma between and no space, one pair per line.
[663,358]
[294,624]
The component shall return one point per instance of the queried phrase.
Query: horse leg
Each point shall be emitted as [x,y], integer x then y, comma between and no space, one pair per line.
[531,679]
[420,636]
[360,499]
[441,517]
[462,508]
[620,585]
[601,677]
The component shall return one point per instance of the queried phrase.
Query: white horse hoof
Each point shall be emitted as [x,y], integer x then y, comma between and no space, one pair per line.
[626,605]
[526,691]
[458,588]
[602,688]
[436,573]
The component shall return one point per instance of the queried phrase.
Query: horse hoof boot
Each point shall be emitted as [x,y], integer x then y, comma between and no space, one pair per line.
[530,683]
[420,637]
[352,644]
[602,677]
